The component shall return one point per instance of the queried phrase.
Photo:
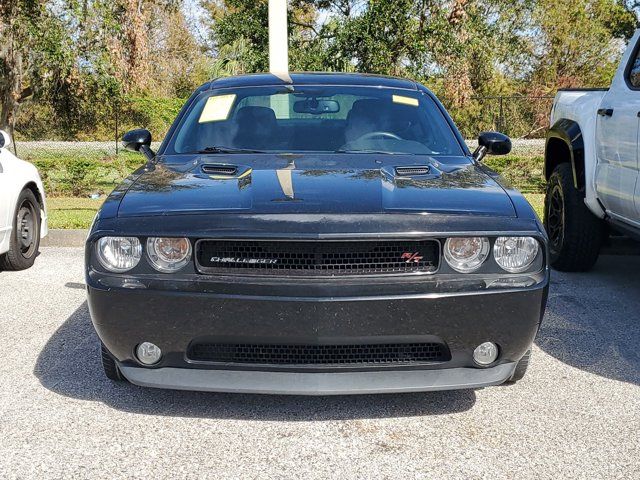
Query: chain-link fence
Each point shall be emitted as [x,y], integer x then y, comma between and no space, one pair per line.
[39,133]
[517,116]
[85,167]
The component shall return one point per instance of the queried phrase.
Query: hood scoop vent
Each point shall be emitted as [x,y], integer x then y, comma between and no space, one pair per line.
[218,169]
[413,171]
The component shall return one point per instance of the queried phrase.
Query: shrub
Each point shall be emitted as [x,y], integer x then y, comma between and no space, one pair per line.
[80,176]
[153,113]
[95,172]
[524,173]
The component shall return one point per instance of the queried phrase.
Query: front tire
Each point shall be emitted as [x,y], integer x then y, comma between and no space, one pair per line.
[109,365]
[575,234]
[25,236]
[521,368]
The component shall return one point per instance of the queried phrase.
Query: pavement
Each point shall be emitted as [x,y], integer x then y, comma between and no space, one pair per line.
[575,415]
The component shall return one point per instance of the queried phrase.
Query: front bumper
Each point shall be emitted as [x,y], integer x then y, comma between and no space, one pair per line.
[174,313]
[318,383]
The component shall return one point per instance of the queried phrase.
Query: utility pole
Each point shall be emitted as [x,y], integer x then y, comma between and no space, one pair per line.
[278,39]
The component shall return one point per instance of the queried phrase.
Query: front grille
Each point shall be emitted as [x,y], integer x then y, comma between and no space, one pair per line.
[326,355]
[317,258]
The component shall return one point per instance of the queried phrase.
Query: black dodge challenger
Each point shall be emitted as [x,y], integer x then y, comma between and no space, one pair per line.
[323,234]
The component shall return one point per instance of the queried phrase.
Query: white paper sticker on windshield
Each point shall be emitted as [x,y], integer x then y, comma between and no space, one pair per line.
[405,100]
[217,108]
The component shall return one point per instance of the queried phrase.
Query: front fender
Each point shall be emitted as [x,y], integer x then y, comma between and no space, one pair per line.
[570,133]
[578,149]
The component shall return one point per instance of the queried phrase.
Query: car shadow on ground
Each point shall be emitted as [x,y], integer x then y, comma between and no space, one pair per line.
[593,319]
[69,365]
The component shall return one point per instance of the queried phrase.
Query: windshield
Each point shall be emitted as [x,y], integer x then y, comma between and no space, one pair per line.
[314,119]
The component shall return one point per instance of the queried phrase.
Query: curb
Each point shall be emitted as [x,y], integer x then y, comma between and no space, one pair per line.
[64,238]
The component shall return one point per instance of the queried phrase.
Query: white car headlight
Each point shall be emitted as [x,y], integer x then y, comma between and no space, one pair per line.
[168,254]
[515,254]
[466,254]
[119,254]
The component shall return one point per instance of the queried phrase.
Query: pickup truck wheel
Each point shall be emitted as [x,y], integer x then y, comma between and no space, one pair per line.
[521,368]
[110,366]
[25,236]
[575,234]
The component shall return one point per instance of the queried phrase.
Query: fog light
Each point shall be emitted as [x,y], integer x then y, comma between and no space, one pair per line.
[148,353]
[485,353]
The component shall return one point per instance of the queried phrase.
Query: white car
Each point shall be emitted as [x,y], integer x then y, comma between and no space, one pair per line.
[592,164]
[23,217]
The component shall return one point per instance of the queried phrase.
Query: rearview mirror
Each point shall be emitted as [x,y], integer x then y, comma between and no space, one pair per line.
[316,107]
[5,139]
[138,140]
[492,143]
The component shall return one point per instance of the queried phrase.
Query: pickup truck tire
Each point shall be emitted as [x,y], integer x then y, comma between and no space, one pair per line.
[575,234]
[25,236]
[521,368]
[110,366]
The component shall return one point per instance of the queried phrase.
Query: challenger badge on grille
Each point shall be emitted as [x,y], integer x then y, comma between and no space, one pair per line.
[261,261]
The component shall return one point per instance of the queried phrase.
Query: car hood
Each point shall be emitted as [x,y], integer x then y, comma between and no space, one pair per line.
[320,183]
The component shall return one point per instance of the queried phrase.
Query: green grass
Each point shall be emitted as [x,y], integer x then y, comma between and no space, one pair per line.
[537,202]
[69,212]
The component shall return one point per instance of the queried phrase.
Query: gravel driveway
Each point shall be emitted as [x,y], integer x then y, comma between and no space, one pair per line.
[576,414]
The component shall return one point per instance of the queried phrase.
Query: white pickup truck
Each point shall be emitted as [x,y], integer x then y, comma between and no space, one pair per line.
[592,166]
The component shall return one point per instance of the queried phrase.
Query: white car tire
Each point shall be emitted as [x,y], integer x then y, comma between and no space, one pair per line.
[25,235]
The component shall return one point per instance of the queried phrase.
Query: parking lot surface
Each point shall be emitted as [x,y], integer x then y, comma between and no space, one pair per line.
[575,415]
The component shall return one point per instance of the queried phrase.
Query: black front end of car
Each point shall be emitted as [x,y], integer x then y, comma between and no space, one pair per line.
[327,234]
[353,311]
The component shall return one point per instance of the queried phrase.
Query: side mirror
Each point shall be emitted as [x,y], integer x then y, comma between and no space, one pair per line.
[5,139]
[138,140]
[492,143]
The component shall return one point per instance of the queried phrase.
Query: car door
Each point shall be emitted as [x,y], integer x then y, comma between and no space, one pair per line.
[617,127]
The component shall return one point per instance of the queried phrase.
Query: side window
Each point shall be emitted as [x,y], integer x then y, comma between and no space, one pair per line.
[634,73]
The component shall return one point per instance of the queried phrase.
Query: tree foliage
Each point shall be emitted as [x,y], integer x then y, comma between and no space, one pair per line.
[67,66]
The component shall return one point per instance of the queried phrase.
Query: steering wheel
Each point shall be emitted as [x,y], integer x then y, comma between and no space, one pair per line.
[370,135]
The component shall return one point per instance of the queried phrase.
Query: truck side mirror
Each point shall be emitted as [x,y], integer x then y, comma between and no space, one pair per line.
[492,143]
[5,139]
[139,140]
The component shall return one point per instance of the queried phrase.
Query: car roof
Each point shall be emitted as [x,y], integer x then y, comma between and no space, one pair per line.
[312,78]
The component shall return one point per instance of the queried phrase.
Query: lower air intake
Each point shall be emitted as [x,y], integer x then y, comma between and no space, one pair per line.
[326,355]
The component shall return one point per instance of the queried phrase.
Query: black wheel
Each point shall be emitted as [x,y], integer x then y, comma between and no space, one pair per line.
[575,234]
[521,368]
[25,236]
[110,366]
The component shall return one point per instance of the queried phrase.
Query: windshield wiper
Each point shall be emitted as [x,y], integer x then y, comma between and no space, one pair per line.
[383,152]
[220,149]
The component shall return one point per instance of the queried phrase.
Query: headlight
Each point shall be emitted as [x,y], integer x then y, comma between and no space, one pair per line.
[168,254]
[118,254]
[466,254]
[515,254]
